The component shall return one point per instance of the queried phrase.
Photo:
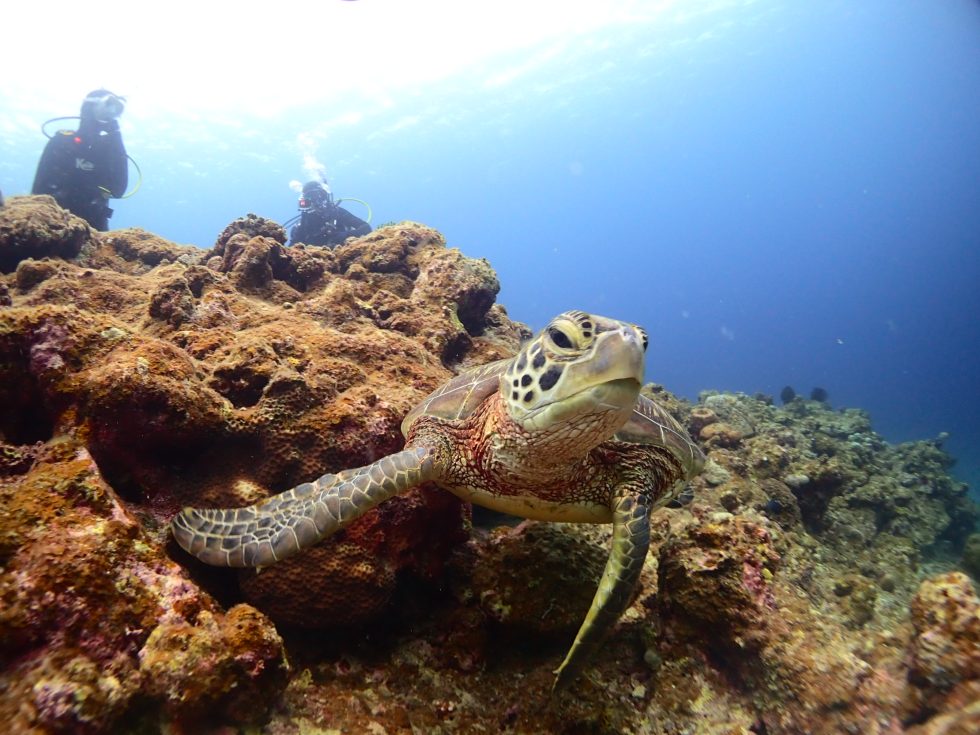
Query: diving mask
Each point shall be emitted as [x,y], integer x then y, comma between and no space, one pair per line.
[106,106]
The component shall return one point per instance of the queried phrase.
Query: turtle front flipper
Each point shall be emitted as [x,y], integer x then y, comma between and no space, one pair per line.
[631,539]
[285,524]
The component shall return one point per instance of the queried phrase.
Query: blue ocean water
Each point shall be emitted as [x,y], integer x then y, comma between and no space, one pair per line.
[781,192]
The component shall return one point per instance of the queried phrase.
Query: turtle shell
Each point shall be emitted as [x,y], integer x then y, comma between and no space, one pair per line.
[651,424]
[648,424]
[459,397]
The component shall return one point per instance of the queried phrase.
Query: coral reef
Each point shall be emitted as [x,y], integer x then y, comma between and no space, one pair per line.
[945,650]
[93,612]
[807,581]
[37,227]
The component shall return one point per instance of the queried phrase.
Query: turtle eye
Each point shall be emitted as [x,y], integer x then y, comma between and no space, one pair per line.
[560,339]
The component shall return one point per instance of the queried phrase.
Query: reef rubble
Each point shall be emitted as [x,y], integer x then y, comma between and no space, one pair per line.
[813,579]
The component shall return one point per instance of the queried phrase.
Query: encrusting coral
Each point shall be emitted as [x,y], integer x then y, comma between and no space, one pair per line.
[88,598]
[806,583]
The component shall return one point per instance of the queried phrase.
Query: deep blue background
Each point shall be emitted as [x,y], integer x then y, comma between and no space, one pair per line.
[781,192]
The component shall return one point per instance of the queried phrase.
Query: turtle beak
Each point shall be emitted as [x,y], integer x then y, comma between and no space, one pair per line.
[617,355]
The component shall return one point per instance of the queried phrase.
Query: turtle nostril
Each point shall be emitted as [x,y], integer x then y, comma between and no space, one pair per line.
[637,335]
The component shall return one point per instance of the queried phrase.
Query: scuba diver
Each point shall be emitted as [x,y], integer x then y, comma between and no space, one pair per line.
[83,169]
[322,221]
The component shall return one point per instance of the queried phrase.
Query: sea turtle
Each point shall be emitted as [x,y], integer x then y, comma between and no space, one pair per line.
[559,432]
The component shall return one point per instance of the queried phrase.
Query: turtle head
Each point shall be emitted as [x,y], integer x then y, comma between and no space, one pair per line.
[581,373]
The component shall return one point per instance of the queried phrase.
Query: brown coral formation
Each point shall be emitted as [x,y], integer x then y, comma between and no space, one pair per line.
[37,227]
[88,599]
[180,381]
[945,649]
[829,542]
[538,578]
[717,575]
[805,584]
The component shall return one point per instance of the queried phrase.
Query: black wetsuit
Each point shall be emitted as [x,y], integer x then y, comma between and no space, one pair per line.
[330,225]
[75,165]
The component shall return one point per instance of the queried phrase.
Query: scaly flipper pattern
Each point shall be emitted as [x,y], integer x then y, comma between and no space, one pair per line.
[631,539]
[285,524]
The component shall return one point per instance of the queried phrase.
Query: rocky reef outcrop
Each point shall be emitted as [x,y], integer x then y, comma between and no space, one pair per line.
[808,581]
[137,376]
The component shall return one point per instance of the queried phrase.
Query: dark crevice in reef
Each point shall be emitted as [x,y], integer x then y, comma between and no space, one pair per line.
[24,417]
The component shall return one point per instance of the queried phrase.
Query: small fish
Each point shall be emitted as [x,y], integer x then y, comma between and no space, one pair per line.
[819,394]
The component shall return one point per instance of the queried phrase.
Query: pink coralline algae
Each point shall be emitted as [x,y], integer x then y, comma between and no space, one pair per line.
[718,575]
[85,590]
